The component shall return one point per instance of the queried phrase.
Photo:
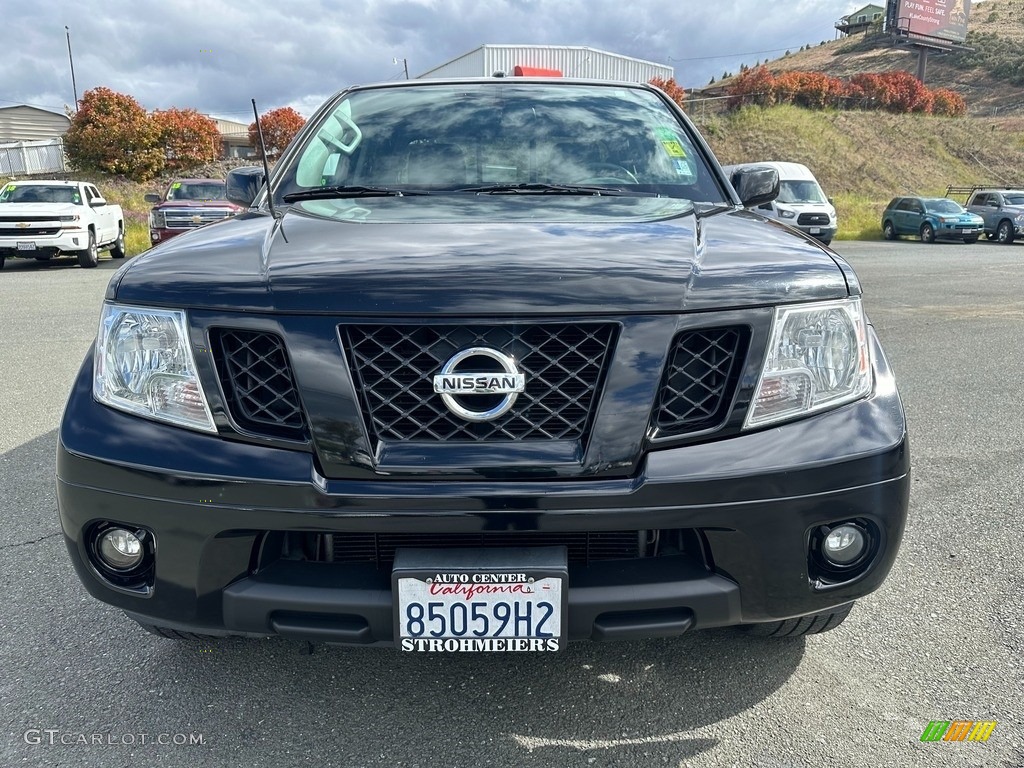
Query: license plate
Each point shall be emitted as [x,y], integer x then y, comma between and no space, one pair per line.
[815,230]
[480,600]
[23,246]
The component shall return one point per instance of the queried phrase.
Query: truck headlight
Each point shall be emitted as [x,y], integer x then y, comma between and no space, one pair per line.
[818,357]
[157,220]
[787,214]
[144,365]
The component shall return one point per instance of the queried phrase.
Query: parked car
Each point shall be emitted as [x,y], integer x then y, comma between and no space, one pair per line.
[931,219]
[1002,211]
[801,202]
[486,365]
[188,204]
[47,219]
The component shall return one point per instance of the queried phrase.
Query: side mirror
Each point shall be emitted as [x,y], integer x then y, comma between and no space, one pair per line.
[243,184]
[152,198]
[831,201]
[756,185]
[97,202]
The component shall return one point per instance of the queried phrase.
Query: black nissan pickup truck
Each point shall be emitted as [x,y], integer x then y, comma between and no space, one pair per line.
[486,365]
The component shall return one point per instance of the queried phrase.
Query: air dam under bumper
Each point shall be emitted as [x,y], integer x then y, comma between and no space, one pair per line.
[751,503]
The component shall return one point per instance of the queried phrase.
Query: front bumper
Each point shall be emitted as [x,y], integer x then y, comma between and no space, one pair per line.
[749,504]
[819,232]
[65,241]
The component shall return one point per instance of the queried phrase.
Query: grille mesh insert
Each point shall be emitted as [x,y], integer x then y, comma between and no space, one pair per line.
[257,380]
[394,365]
[699,379]
[583,546]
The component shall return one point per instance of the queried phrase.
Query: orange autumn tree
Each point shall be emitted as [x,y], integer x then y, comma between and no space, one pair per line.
[189,139]
[279,128]
[112,133]
[671,88]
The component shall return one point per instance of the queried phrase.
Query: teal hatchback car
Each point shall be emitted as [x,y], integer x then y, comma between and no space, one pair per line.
[931,219]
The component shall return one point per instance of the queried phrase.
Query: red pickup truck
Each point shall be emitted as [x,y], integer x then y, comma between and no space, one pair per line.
[188,204]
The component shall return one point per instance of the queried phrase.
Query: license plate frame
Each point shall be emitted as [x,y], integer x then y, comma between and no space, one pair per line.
[815,230]
[26,245]
[515,599]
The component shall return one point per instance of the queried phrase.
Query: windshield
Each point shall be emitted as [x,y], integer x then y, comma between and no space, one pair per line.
[943,206]
[800,192]
[207,190]
[458,139]
[40,193]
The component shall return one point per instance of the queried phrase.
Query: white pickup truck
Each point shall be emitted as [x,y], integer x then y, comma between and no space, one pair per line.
[47,219]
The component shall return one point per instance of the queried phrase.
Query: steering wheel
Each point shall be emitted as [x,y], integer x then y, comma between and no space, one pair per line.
[612,174]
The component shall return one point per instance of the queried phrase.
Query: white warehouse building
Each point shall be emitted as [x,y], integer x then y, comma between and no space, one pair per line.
[554,60]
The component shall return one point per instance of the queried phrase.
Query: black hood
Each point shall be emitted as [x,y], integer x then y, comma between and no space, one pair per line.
[440,256]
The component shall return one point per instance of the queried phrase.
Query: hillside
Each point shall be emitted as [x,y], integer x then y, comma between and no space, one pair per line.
[990,77]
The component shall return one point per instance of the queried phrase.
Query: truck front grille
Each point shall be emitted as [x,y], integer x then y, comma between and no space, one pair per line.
[812,218]
[393,367]
[701,375]
[190,218]
[258,384]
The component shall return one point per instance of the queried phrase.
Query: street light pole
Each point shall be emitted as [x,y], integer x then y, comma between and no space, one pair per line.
[71,59]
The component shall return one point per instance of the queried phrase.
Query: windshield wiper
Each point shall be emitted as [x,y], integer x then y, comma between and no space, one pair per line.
[340,192]
[540,188]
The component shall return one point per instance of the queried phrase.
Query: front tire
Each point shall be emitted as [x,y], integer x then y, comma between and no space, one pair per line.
[174,634]
[117,250]
[814,624]
[1005,233]
[888,231]
[90,256]
[2,260]
[927,233]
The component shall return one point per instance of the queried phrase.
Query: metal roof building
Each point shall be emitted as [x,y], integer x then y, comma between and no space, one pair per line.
[24,123]
[567,60]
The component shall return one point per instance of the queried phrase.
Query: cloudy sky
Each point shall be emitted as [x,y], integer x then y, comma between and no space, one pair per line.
[214,55]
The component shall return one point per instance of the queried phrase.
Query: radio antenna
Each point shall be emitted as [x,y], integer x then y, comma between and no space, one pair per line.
[266,167]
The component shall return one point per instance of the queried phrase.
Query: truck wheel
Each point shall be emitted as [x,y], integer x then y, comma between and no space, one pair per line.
[814,624]
[888,231]
[117,250]
[1005,232]
[174,634]
[927,233]
[2,260]
[91,255]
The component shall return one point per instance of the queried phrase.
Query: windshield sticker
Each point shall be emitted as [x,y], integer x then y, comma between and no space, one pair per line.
[176,185]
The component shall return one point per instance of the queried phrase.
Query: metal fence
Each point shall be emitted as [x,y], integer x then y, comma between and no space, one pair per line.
[25,158]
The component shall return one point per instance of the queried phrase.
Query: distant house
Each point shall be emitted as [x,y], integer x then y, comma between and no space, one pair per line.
[234,138]
[24,123]
[862,20]
[550,61]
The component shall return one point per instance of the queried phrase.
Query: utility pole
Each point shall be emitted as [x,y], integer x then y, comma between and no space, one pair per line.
[71,59]
[405,63]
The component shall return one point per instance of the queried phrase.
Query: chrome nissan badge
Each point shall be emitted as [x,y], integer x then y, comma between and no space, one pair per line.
[452,384]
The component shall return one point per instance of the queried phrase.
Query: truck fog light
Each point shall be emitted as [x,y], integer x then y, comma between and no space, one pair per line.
[119,549]
[844,544]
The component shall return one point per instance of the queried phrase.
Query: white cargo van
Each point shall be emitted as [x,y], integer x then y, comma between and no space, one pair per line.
[800,203]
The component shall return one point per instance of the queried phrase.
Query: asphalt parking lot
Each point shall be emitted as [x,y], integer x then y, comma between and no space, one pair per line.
[942,640]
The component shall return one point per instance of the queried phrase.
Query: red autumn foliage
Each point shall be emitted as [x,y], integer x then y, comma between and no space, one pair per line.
[671,88]
[753,86]
[189,139]
[948,102]
[279,128]
[890,91]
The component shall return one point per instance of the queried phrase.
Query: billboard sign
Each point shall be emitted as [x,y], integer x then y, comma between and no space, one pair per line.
[943,19]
